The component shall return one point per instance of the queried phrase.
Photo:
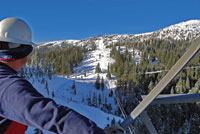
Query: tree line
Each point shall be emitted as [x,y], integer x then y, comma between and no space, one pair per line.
[132,82]
[60,61]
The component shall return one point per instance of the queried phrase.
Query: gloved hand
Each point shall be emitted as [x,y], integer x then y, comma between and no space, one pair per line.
[114,130]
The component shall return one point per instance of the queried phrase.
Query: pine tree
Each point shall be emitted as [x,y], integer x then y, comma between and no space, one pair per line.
[49,71]
[113,122]
[53,94]
[151,85]
[106,100]
[187,83]
[73,85]
[110,108]
[196,74]
[172,91]
[180,86]
[133,53]
[196,88]
[85,75]
[102,83]
[89,101]
[75,92]
[192,73]
[126,54]
[99,99]
[111,93]
[47,88]
[94,100]
[97,83]
[98,69]
[108,75]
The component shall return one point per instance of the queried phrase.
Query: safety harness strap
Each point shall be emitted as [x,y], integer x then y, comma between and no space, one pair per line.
[16,128]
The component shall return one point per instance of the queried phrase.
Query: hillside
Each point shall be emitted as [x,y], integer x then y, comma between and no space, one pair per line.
[126,56]
[84,93]
[185,30]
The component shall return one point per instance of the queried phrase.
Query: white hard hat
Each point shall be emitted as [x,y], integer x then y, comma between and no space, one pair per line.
[15,30]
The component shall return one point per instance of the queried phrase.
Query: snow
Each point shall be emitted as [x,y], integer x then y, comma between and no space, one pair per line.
[181,31]
[59,43]
[189,29]
[64,94]
[62,86]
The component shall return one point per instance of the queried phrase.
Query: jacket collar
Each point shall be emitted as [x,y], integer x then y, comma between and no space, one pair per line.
[3,66]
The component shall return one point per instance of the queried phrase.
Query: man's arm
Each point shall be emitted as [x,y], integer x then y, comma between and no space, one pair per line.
[22,103]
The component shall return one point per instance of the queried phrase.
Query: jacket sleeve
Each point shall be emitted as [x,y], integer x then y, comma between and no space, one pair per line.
[22,103]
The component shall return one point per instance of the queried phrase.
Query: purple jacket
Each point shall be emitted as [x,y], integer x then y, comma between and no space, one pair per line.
[20,101]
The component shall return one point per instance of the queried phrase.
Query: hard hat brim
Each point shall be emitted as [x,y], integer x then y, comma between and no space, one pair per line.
[17,41]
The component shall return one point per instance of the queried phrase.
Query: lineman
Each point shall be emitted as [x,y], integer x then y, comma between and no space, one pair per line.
[20,103]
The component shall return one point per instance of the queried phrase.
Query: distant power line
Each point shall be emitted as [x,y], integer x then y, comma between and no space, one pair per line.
[160,71]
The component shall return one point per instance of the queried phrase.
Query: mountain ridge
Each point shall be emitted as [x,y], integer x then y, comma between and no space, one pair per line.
[188,30]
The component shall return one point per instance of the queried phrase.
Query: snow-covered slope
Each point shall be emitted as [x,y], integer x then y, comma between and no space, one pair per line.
[182,31]
[77,98]
[64,95]
[189,29]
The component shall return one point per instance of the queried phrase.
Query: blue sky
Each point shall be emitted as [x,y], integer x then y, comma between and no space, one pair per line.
[79,19]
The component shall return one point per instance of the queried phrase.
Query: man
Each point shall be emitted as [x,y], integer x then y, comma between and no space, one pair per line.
[20,103]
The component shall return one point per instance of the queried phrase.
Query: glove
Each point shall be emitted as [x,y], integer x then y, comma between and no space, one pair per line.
[114,130]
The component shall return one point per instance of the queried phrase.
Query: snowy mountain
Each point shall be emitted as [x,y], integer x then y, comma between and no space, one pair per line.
[185,30]
[182,31]
[78,91]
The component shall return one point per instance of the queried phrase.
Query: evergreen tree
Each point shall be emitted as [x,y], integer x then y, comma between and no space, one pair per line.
[85,75]
[75,92]
[102,83]
[94,100]
[196,74]
[73,85]
[106,100]
[187,83]
[113,122]
[99,99]
[133,53]
[108,75]
[196,88]
[47,88]
[89,101]
[53,94]
[43,80]
[192,73]
[180,86]
[98,69]
[151,85]
[110,108]
[111,93]
[49,71]
[97,83]
[172,91]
